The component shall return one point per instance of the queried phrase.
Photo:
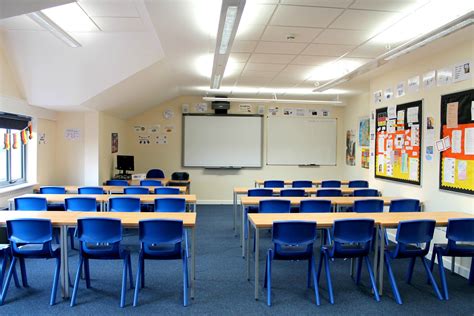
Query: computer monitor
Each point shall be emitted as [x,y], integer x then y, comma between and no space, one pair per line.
[125,163]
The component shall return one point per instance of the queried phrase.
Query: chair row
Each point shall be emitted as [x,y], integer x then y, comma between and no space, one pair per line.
[319,193]
[293,240]
[100,239]
[100,190]
[309,184]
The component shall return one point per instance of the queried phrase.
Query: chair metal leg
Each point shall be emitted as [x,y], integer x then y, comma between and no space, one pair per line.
[269,277]
[433,282]
[76,281]
[471,273]
[54,290]
[15,274]
[359,270]
[87,273]
[142,265]
[315,282]
[372,278]
[393,283]
[442,274]
[310,269]
[185,280]
[124,282]
[139,278]
[328,278]
[453,264]
[411,267]
[320,266]
[7,281]
[24,277]
[130,275]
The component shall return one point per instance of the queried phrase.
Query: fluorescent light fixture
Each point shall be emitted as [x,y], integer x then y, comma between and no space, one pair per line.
[71,18]
[334,69]
[231,12]
[258,100]
[53,28]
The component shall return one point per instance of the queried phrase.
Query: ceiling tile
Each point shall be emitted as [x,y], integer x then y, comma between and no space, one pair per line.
[271,58]
[251,33]
[386,5]
[258,74]
[108,24]
[264,67]
[243,46]
[280,33]
[345,37]
[304,16]
[239,57]
[280,47]
[124,8]
[369,50]
[320,3]
[253,81]
[361,20]
[256,14]
[20,22]
[311,60]
[327,49]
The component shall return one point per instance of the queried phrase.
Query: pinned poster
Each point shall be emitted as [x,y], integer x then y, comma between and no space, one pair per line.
[415,135]
[378,96]
[261,109]
[444,76]
[288,111]
[388,94]
[462,71]
[153,129]
[391,126]
[200,107]
[456,137]
[452,115]
[399,141]
[313,112]
[412,115]
[325,113]
[462,169]
[400,89]
[273,110]
[469,141]
[41,138]
[392,111]
[245,108]
[139,129]
[72,134]
[381,163]
[449,170]
[429,79]
[161,139]
[414,84]
[413,168]
[400,120]
[300,112]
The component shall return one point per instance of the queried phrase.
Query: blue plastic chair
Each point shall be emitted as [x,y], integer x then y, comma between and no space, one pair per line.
[411,235]
[172,205]
[366,192]
[405,205]
[358,184]
[302,184]
[52,190]
[331,184]
[150,183]
[120,183]
[166,190]
[368,206]
[31,239]
[5,257]
[124,204]
[293,240]
[318,206]
[459,231]
[136,190]
[155,174]
[31,204]
[254,209]
[161,239]
[79,204]
[351,239]
[274,184]
[90,190]
[100,240]
[329,192]
[274,206]
[292,192]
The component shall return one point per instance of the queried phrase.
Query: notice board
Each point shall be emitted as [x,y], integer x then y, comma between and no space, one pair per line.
[398,142]
[456,163]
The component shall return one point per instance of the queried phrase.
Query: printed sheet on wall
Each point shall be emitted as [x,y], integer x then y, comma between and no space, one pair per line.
[398,142]
[457,132]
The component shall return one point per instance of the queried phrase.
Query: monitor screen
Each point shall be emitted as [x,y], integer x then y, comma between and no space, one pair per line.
[125,162]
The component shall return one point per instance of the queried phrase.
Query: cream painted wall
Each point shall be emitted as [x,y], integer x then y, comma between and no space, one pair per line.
[214,186]
[8,86]
[47,158]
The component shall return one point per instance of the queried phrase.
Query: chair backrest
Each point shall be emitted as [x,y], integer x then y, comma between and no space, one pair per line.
[31,204]
[97,230]
[358,184]
[368,206]
[156,232]
[155,173]
[124,204]
[120,183]
[136,190]
[315,206]
[352,237]
[150,183]
[274,184]
[415,231]
[302,184]
[91,190]
[405,205]
[366,192]
[180,176]
[331,184]
[294,232]
[260,192]
[30,231]
[460,229]
[52,190]
[166,190]
[81,204]
[170,205]
[274,206]
[329,192]
[292,192]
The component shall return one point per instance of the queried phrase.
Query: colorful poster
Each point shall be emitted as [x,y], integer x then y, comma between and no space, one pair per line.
[115,143]
[350,148]
[462,71]
[365,158]
[364,132]
[378,96]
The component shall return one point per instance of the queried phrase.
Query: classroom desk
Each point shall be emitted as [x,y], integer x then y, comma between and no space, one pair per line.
[166,181]
[316,183]
[103,199]
[109,189]
[326,220]
[129,220]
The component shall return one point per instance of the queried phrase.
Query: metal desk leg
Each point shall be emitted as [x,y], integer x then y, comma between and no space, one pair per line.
[11,205]
[381,262]
[194,207]
[242,233]
[193,260]
[64,262]
[235,211]
[376,254]
[257,250]
[248,256]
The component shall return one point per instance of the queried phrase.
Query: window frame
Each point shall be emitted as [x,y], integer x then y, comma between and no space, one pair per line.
[9,181]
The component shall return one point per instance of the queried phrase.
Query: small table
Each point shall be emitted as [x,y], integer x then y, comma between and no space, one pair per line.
[316,183]
[109,189]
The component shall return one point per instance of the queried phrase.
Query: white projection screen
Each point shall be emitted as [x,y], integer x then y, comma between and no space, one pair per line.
[222,141]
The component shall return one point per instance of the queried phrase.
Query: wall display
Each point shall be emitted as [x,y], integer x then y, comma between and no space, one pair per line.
[400,89]
[261,109]
[398,143]
[300,112]
[168,114]
[350,148]
[429,138]
[378,96]
[364,158]
[139,129]
[388,94]
[313,112]
[245,108]
[154,129]
[456,142]
[41,138]
[168,128]
[273,110]
[114,143]
[429,79]
[144,139]
[414,84]
[161,139]
[201,107]
[444,76]
[462,71]
[72,133]
[185,108]
[289,111]
[325,113]
[364,131]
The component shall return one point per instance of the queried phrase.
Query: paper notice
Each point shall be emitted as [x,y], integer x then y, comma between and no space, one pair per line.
[400,89]
[440,145]
[469,141]
[446,143]
[300,112]
[388,94]
[400,120]
[392,111]
[462,169]
[456,141]
[399,140]
[472,110]
[273,110]
[429,79]
[452,115]
[412,115]
[415,135]
[391,125]
[380,163]
[404,163]
[389,145]
[378,96]
[413,169]
[444,76]
[449,167]
[381,144]
[462,71]
[414,84]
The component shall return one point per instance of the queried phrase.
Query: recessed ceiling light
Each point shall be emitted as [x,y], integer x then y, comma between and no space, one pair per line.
[334,69]
[71,17]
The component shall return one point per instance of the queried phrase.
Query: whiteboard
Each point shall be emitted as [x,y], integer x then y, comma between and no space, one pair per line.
[301,141]
[222,141]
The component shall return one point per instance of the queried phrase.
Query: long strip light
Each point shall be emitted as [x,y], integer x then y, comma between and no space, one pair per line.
[258,100]
[422,40]
[41,18]
[231,12]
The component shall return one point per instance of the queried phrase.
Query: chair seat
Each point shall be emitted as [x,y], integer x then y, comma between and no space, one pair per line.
[100,251]
[409,252]
[37,251]
[459,251]
[3,247]
[162,252]
[348,250]
[292,253]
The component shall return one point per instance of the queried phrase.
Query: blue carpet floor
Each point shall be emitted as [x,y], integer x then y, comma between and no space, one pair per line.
[222,288]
